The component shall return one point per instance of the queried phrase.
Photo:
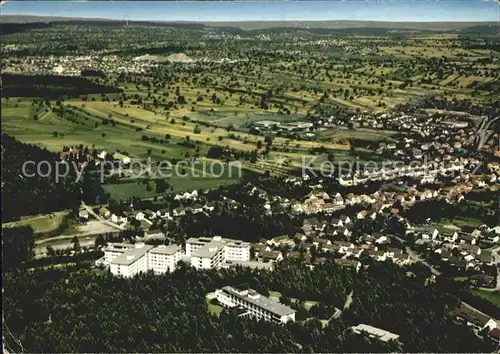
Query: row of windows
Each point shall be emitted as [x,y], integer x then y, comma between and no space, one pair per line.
[251,306]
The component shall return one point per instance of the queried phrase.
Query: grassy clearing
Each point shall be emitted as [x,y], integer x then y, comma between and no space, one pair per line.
[275,294]
[462,221]
[41,223]
[213,307]
[491,296]
[124,191]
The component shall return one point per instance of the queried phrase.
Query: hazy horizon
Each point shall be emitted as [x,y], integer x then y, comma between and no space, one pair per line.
[265,11]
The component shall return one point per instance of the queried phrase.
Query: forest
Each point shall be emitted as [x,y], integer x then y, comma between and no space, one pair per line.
[50,86]
[23,195]
[83,310]
[35,190]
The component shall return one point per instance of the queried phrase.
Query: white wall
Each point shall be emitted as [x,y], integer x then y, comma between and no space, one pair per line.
[237,253]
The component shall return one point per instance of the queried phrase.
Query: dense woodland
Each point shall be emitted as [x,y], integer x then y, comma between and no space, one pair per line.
[23,195]
[64,310]
[37,191]
[50,86]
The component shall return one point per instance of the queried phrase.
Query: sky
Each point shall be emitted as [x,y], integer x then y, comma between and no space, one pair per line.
[306,10]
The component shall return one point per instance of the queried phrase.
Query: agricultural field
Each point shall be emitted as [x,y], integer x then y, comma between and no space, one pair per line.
[185,98]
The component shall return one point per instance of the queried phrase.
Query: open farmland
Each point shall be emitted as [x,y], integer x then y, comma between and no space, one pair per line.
[195,97]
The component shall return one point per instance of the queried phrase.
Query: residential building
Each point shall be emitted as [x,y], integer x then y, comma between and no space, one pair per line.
[255,304]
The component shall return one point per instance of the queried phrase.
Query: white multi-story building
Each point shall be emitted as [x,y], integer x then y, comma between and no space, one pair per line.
[114,250]
[209,253]
[237,251]
[194,243]
[131,262]
[128,260]
[163,259]
[209,256]
[204,253]
[255,304]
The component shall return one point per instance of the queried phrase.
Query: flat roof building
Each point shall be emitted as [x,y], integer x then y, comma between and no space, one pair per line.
[374,332]
[256,304]
[209,256]
[163,259]
[132,261]
[127,260]
[213,252]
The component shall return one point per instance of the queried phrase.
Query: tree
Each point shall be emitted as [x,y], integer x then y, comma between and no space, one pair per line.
[161,186]
[51,252]
[18,245]
[99,241]
[76,244]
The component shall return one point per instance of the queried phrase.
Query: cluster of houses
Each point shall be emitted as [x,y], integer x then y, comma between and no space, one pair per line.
[84,155]
[313,245]
[459,169]
[283,126]
[464,251]
[73,65]
[378,202]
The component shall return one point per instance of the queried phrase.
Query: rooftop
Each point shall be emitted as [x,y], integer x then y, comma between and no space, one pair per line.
[162,249]
[261,301]
[219,239]
[118,246]
[208,250]
[132,255]
[381,334]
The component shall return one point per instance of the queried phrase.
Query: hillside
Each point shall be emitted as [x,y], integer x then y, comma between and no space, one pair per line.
[255,25]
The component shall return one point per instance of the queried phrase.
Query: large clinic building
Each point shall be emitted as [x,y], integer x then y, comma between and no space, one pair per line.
[128,260]
[255,304]
[213,252]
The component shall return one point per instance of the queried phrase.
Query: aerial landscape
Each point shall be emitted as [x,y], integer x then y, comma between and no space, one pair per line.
[300,176]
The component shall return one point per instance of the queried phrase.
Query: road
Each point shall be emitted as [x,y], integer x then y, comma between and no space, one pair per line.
[434,271]
[98,217]
[416,257]
[86,234]
[62,243]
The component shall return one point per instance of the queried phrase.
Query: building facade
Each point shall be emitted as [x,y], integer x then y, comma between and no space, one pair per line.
[163,259]
[255,304]
[131,262]
[213,253]
[128,260]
